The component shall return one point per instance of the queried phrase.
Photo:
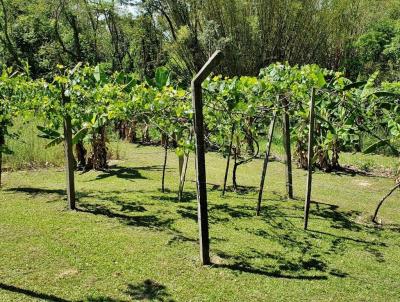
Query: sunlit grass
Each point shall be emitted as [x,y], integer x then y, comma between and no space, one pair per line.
[128,241]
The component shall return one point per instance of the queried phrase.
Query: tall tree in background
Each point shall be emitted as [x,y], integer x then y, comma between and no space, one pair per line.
[352,35]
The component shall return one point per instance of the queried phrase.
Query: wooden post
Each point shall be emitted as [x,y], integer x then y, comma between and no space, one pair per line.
[286,145]
[310,158]
[200,155]
[69,157]
[2,145]
[165,164]
[228,159]
[266,161]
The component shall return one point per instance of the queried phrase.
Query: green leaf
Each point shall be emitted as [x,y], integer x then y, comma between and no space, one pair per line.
[55,142]
[385,94]
[329,124]
[162,77]
[375,146]
[354,85]
[48,133]
[321,79]
[79,136]
[99,74]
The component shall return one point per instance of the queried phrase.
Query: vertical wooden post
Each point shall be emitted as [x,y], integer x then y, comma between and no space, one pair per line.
[228,159]
[165,163]
[2,145]
[200,155]
[310,158]
[286,145]
[1,166]
[266,161]
[69,157]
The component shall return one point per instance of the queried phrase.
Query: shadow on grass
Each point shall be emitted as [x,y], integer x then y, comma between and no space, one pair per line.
[339,219]
[351,171]
[302,268]
[186,197]
[120,172]
[36,191]
[244,267]
[31,293]
[148,221]
[217,213]
[179,238]
[147,290]
[242,190]
[152,168]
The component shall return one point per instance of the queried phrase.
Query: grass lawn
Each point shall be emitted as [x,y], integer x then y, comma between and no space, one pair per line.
[130,242]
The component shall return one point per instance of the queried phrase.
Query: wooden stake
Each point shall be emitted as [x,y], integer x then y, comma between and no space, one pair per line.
[69,158]
[2,144]
[200,155]
[310,158]
[183,177]
[228,159]
[165,164]
[286,145]
[266,161]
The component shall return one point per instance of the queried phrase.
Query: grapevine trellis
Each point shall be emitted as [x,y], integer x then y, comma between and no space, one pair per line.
[321,113]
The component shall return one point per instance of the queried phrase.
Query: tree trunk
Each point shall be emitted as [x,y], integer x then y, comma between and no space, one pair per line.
[145,134]
[301,154]
[131,129]
[120,127]
[323,161]
[249,138]
[81,156]
[335,156]
[99,150]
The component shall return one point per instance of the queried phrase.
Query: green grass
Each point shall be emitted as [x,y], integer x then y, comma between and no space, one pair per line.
[371,162]
[30,152]
[130,242]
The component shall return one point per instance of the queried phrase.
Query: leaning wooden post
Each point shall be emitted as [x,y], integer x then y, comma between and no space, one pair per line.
[266,161]
[228,159]
[310,158]
[69,157]
[286,145]
[200,155]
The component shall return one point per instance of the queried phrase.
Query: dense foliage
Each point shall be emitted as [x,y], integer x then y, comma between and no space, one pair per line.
[356,36]
[239,107]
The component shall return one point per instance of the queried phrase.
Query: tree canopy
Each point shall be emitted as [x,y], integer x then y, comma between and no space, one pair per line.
[355,36]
